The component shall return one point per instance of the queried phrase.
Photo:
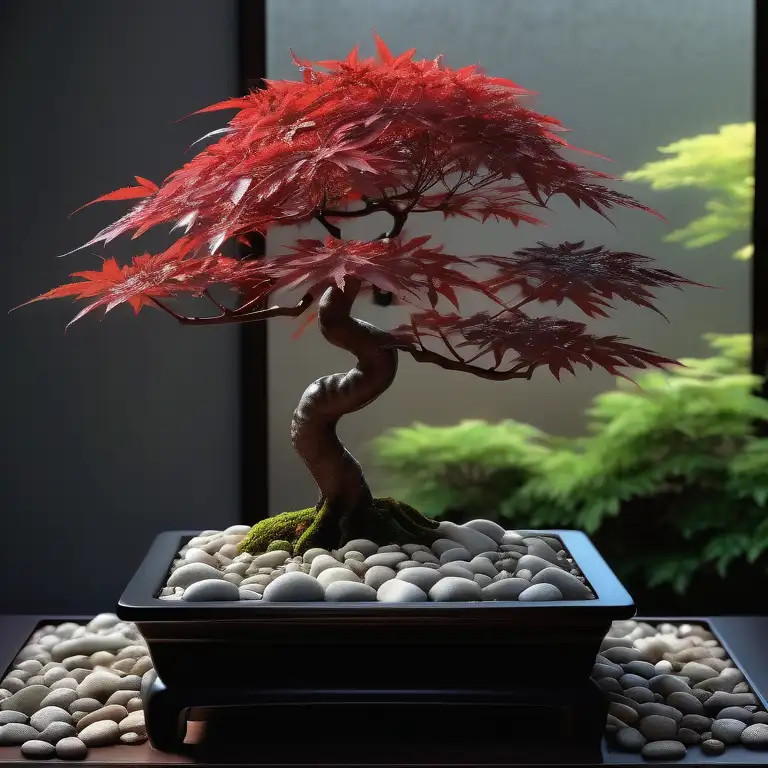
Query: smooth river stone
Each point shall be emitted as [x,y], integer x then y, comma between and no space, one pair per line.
[330,575]
[15,734]
[397,591]
[658,727]
[455,555]
[423,578]
[455,589]
[473,541]
[47,715]
[186,575]
[294,587]
[755,736]
[727,730]
[100,734]
[481,565]
[540,593]
[38,749]
[570,587]
[533,564]
[488,528]
[210,590]
[26,700]
[388,559]
[667,749]
[378,575]
[89,645]
[630,739]
[505,589]
[454,569]
[349,592]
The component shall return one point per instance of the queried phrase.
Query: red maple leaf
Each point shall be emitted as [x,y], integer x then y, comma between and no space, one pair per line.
[407,269]
[150,277]
[587,277]
[392,128]
[532,341]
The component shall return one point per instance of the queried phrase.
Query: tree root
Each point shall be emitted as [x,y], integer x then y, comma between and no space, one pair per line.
[383,521]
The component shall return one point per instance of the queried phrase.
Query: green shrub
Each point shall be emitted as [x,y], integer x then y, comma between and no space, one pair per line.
[677,455]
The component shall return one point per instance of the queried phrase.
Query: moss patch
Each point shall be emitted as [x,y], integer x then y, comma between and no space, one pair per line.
[384,521]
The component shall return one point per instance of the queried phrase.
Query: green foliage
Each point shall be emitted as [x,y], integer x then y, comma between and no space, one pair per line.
[462,469]
[722,163]
[677,456]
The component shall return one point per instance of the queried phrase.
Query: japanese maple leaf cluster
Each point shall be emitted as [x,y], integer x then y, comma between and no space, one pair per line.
[402,136]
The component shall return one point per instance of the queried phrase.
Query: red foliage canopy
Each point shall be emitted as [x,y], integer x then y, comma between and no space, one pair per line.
[398,135]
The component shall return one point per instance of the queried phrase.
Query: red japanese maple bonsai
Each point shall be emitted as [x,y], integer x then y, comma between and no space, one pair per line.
[357,137]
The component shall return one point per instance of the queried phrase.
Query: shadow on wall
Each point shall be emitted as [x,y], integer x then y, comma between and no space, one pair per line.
[110,434]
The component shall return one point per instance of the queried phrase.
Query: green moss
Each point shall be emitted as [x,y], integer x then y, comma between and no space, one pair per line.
[384,520]
[286,527]
[281,544]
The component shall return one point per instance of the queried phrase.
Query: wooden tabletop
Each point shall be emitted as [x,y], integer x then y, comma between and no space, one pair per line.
[745,637]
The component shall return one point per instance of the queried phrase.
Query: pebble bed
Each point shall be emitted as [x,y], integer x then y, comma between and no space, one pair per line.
[477,561]
[670,688]
[73,687]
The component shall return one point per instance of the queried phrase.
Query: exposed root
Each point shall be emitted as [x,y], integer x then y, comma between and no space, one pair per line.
[383,521]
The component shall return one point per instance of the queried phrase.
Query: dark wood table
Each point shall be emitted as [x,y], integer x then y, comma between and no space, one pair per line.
[744,637]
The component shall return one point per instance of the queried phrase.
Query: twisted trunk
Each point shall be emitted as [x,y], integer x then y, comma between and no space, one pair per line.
[338,475]
[346,509]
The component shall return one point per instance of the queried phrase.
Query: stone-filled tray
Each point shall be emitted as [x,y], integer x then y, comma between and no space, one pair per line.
[742,638]
[257,644]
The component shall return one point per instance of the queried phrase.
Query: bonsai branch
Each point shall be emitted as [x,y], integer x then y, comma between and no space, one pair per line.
[520,371]
[235,316]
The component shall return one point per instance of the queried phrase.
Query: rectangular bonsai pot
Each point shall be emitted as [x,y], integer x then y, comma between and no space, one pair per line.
[392,646]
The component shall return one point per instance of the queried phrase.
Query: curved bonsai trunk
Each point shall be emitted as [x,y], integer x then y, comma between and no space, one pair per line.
[346,509]
[338,475]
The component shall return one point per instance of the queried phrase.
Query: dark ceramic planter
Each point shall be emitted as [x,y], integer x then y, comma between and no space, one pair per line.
[419,652]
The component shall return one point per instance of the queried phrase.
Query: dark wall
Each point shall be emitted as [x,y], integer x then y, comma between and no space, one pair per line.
[122,428]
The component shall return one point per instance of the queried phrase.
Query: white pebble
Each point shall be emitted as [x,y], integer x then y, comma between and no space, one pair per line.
[473,541]
[89,645]
[492,530]
[47,715]
[294,587]
[330,575]
[114,712]
[100,734]
[26,700]
[210,590]
[378,575]
[455,589]
[540,592]
[349,592]
[189,574]
[322,563]
[196,555]
[398,591]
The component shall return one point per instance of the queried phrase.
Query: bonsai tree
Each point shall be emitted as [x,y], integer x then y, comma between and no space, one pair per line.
[358,137]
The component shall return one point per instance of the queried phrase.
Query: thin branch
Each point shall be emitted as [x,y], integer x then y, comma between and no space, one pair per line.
[333,230]
[370,207]
[520,371]
[519,304]
[450,346]
[230,317]
[225,310]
